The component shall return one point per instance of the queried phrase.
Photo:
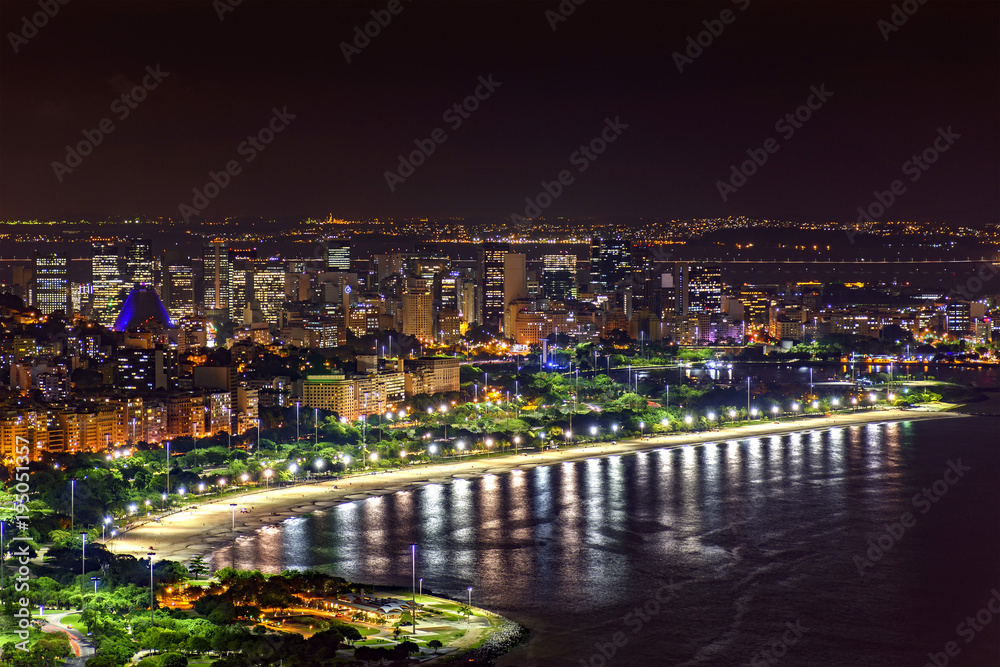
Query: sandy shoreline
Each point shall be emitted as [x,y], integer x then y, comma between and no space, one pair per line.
[183,535]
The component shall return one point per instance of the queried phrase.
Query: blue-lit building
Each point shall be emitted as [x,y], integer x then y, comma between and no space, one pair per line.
[143,308]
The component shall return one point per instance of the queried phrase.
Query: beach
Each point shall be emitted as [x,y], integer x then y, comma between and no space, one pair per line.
[210,524]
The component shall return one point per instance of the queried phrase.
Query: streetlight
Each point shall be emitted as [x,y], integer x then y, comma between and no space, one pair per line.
[774,411]
[151,601]
[95,580]
[688,419]
[413,590]
[83,563]
[593,431]
[470,605]
[753,412]
[614,429]
[642,429]
[854,403]
[732,415]
[489,443]
[104,527]
[460,446]
[267,477]
[517,441]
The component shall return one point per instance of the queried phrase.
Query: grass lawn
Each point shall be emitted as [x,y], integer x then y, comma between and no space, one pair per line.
[366,632]
[73,621]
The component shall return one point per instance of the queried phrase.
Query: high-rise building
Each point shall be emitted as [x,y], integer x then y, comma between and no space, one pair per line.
[515,277]
[179,284]
[610,262]
[959,315]
[559,276]
[140,370]
[51,271]
[338,256]
[418,314]
[492,282]
[139,263]
[269,289]
[216,278]
[107,281]
[704,288]
[449,290]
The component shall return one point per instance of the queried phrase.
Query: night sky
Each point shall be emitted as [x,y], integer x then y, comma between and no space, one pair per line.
[557,87]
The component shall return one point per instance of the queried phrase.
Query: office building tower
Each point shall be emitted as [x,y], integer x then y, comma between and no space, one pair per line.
[107,280]
[704,288]
[559,276]
[515,277]
[216,279]
[140,370]
[338,255]
[959,316]
[51,276]
[269,289]
[492,284]
[179,287]
[449,290]
[610,262]
[139,263]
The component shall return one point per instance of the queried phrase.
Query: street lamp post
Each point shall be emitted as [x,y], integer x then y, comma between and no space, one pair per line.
[517,441]
[83,564]
[233,550]
[413,590]
[151,600]
[470,605]
[95,580]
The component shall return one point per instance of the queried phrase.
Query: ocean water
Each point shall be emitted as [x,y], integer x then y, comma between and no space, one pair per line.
[814,548]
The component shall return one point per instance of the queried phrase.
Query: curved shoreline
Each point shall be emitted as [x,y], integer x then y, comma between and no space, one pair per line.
[207,527]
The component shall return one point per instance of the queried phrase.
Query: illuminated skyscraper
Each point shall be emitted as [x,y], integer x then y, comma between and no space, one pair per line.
[704,288]
[217,278]
[491,279]
[338,255]
[559,276]
[269,289]
[179,282]
[610,262]
[107,280]
[51,282]
[139,263]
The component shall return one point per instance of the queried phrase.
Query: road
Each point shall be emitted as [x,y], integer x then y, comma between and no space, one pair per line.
[82,648]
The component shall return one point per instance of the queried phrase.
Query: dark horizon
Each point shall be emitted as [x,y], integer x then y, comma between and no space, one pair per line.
[879,96]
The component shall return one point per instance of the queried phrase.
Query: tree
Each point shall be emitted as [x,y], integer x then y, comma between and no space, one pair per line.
[198,566]
[173,660]
[435,644]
